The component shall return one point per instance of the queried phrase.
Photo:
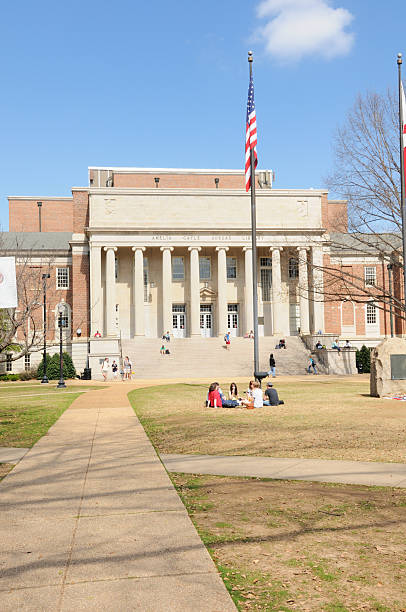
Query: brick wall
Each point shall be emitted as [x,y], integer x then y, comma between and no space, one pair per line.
[56,215]
[30,278]
[334,214]
[80,286]
[80,211]
[183,181]
[337,312]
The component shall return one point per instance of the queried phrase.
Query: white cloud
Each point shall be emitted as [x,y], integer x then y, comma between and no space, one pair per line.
[299,28]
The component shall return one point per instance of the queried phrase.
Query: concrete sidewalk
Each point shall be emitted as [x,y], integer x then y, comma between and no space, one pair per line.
[91,521]
[11,455]
[320,470]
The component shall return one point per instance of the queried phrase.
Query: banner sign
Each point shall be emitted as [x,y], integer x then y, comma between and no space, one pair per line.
[8,284]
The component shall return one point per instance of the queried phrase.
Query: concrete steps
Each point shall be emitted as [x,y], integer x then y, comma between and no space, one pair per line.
[207,357]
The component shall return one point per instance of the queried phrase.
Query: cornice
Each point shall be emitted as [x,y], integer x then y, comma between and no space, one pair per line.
[260,193]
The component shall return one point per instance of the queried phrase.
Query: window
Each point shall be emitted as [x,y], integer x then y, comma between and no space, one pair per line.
[62,278]
[266,278]
[205,268]
[231,267]
[9,363]
[116,268]
[27,361]
[146,279]
[293,268]
[178,268]
[370,276]
[178,308]
[371,314]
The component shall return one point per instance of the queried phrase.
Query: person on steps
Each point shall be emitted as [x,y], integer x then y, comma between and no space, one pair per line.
[272,366]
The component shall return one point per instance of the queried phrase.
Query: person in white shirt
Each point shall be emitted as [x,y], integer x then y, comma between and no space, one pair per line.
[257,395]
[105,368]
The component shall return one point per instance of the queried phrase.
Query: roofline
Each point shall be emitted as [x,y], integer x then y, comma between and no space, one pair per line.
[199,191]
[138,170]
[41,198]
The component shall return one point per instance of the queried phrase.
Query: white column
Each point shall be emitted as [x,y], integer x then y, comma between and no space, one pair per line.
[303,288]
[248,298]
[277,327]
[221,290]
[138,291]
[318,302]
[194,291]
[166,288]
[110,301]
[96,306]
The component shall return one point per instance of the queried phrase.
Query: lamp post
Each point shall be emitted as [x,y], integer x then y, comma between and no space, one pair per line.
[61,383]
[44,286]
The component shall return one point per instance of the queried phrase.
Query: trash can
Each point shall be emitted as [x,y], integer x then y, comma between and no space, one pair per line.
[87,374]
[259,376]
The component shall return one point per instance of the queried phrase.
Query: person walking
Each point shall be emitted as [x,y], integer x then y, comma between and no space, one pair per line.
[105,368]
[272,366]
[227,340]
[312,364]
[114,369]
[127,368]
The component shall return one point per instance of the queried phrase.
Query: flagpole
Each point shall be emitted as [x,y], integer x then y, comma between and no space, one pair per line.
[254,247]
[402,174]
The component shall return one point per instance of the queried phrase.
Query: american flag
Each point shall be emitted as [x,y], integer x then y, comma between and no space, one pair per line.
[250,135]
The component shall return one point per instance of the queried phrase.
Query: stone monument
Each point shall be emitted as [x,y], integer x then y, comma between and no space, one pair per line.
[388,368]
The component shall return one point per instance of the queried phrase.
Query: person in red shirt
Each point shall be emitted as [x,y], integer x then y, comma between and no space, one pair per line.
[214,396]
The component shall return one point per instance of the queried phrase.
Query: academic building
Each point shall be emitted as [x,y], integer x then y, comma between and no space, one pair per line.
[139,252]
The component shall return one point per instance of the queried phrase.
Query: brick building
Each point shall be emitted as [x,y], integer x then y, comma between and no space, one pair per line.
[139,252]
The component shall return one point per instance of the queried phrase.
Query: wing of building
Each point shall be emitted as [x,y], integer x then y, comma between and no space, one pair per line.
[140,252]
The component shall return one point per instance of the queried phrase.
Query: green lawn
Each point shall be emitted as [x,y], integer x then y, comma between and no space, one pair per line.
[28,411]
[326,418]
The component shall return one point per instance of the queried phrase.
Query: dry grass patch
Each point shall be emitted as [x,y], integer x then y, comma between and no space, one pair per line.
[323,418]
[283,545]
[5,469]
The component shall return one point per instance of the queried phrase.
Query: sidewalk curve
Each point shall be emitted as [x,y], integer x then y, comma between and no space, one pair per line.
[91,521]
[321,470]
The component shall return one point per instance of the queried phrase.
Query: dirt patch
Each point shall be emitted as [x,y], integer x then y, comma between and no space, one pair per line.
[302,546]
[5,468]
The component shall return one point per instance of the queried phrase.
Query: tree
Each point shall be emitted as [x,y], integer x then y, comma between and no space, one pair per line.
[367,174]
[21,328]
[363,360]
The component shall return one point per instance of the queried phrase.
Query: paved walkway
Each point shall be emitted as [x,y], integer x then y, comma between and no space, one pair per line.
[90,521]
[345,472]
[11,455]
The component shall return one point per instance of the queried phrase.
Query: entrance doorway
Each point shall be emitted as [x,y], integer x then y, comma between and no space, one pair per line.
[232,320]
[206,320]
[294,319]
[179,320]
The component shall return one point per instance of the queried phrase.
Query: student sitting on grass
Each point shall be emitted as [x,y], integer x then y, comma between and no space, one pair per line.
[217,400]
[255,399]
[272,397]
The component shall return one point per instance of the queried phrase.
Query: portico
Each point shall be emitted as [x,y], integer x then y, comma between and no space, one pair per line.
[199,290]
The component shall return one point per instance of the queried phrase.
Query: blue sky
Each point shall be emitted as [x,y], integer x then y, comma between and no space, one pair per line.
[164,84]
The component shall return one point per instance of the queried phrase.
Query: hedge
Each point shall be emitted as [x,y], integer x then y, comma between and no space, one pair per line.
[53,367]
